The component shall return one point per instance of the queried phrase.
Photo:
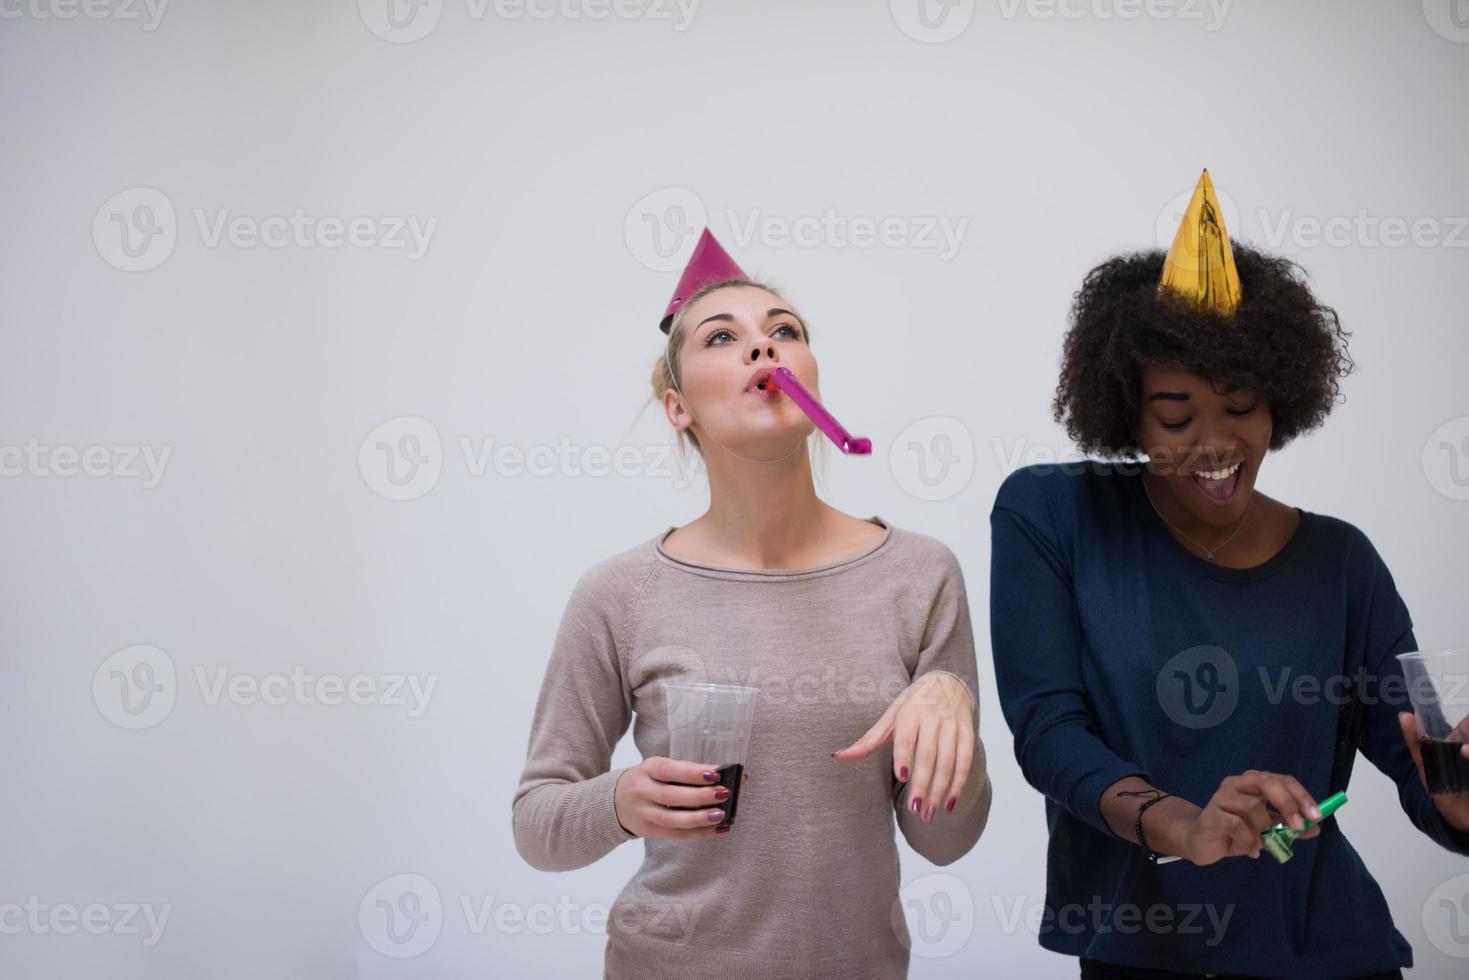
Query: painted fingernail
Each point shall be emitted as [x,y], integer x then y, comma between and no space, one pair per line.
[711,777]
[721,793]
[722,830]
[917,803]
[949,806]
[929,815]
[903,773]
[715,815]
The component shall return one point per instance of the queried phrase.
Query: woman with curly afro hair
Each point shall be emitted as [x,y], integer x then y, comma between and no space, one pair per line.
[1185,661]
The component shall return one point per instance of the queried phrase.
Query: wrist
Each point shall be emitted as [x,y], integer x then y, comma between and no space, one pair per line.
[1456,821]
[616,799]
[1168,826]
[958,697]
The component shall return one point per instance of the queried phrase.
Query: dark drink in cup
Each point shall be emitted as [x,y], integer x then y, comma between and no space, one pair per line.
[1444,767]
[729,777]
[1438,686]
[710,724]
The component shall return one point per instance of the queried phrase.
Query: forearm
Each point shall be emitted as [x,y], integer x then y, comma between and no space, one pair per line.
[560,826]
[1166,824]
[1425,815]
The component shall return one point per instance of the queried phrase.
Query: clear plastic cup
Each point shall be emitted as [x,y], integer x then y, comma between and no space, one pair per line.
[1438,687]
[710,724]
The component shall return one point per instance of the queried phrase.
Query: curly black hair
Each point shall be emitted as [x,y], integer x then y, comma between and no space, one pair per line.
[1280,342]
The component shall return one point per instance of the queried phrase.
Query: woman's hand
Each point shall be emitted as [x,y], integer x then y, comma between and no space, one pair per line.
[650,799]
[1453,807]
[1229,825]
[931,725]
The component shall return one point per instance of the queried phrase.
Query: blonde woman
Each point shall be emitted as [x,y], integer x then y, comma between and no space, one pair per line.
[856,634]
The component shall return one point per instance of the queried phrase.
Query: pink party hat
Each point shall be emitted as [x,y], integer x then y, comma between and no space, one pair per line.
[710,263]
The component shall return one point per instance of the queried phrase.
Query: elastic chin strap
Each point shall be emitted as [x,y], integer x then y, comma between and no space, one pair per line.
[794,449]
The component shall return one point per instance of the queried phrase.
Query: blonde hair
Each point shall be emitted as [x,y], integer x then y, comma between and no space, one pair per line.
[666,374]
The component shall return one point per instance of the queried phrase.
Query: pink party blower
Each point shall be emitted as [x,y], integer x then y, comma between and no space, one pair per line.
[786,382]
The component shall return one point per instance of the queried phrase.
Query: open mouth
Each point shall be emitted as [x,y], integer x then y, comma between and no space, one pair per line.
[761,386]
[1219,486]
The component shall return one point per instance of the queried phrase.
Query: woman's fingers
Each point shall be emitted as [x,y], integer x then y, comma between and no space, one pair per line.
[1286,794]
[673,794]
[1241,802]
[675,799]
[905,747]
[1238,833]
[666,770]
[1241,817]
[673,819]
[1222,825]
[943,773]
[931,742]
[1304,800]
[1250,807]
[963,761]
[923,765]
[873,738]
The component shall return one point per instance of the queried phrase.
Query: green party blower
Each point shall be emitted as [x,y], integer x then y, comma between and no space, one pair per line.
[1278,839]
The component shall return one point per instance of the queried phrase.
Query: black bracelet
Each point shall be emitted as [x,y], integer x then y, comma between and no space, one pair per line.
[1153,855]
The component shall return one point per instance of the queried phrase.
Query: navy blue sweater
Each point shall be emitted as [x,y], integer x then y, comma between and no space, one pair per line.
[1120,652]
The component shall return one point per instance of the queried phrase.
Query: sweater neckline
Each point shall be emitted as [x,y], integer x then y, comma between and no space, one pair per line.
[774,574]
[1254,573]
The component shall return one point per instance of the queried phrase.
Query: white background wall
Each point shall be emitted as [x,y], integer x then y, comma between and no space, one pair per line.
[537,156]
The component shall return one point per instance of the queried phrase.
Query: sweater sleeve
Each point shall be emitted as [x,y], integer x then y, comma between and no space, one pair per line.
[947,646]
[1389,632]
[563,811]
[1037,651]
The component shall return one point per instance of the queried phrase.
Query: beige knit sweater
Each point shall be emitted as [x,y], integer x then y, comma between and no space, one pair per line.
[806,884]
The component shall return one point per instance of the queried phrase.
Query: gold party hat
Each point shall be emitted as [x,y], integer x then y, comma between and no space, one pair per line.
[1200,264]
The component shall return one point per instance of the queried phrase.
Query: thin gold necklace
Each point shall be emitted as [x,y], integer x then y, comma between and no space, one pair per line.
[1208,552]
